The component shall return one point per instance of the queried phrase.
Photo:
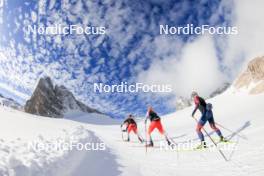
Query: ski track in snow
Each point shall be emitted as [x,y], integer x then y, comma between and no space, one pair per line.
[130,158]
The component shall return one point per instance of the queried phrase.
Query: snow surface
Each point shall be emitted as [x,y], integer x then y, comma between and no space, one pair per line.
[236,111]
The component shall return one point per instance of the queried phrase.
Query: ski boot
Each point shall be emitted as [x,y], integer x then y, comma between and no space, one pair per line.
[168,142]
[172,145]
[222,139]
[150,144]
[202,145]
[128,139]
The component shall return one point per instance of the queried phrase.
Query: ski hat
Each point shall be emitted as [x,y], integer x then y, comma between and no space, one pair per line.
[194,93]
[150,108]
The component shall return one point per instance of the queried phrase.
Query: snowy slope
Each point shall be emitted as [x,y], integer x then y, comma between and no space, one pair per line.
[21,132]
[237,111]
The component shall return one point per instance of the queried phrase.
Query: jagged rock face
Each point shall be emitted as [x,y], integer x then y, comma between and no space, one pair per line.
[51,101]
[253,75]
[256,68]
[44,100]
[69,102]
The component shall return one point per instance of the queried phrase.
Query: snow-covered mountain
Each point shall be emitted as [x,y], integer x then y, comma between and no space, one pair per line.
[54,101]
[4,101]
[220,90]
[252,78]
[182,103]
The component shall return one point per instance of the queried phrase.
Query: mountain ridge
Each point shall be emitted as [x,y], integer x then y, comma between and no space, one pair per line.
[54,100]
[253,77]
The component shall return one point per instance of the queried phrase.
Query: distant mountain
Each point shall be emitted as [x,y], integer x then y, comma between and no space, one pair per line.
[9,102]
[253,77]
[54,101]
[220,90]
[183,102]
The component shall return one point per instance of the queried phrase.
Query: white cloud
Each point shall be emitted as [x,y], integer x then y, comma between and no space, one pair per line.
[41,7]
[187,67]
[248,44]
[195,69]
[167,46]
[195,66]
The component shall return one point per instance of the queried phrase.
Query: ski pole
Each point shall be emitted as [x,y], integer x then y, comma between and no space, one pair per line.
[241,136]
[122,132]
[175,145]
[146,137]
[220,151]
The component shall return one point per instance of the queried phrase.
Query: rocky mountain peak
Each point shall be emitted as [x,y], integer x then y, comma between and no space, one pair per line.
[256,68]
[45,82]
[252,77]
[54,101]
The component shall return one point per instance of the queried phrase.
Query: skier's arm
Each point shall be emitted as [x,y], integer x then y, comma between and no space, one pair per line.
[194,111]
[196,102]
[147,117]
[125,121]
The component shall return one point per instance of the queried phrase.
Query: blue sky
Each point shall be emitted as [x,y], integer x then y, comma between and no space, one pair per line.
[131,51]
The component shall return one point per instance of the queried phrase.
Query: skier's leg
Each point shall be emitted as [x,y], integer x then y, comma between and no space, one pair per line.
[199,131]
[218,132]
[134,129]
[129,129]
[159,127]
[140,138]
[212,125]
[162,131]
[128,138]
[136,132]
[199,127]
[150,129]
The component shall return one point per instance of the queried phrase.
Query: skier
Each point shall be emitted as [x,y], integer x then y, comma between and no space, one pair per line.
[207,115]
[155,122]
[131,125]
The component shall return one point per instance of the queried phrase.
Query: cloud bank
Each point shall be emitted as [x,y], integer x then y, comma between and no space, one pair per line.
[206,62]
[195,68]
[249,43]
